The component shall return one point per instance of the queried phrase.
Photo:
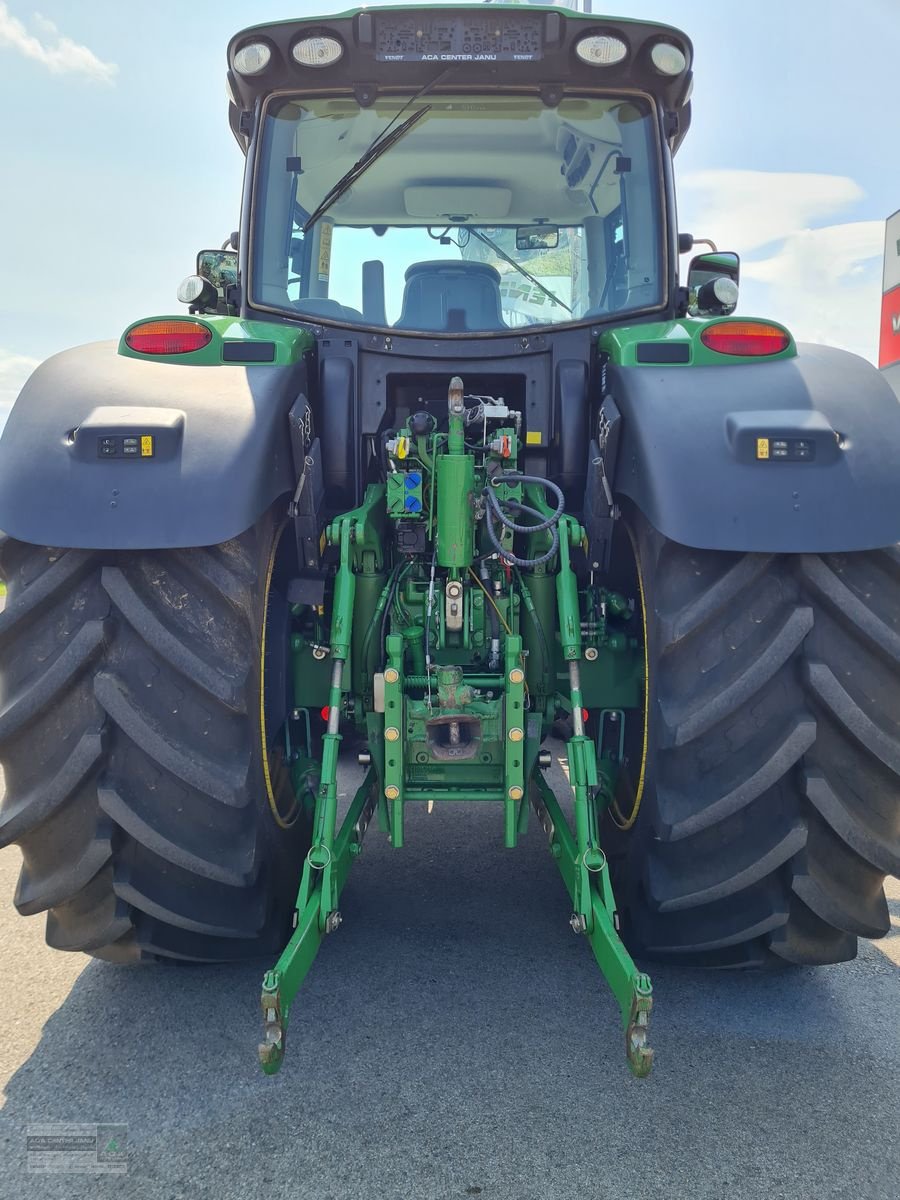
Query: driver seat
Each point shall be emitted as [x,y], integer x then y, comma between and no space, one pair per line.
[446,296]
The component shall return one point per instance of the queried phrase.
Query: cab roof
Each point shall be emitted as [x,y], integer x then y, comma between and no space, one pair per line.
[472,47]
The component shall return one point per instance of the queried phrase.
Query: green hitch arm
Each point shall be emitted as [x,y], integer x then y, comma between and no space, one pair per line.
[581,860]
[632,988]
[281,984]
[328,859]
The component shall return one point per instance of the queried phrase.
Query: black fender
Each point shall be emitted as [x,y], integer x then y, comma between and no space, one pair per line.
[702,453]
[220,453]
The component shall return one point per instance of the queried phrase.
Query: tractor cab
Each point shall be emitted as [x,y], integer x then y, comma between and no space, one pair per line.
[459,172]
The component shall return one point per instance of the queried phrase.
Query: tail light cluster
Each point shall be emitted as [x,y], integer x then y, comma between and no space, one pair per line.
[168,337]
[750,339]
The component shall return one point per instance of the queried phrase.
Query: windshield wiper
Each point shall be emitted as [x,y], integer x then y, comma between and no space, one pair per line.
[483,237]
[380,146]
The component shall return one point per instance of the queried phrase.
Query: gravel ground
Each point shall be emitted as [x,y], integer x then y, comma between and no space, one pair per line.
[454,1040]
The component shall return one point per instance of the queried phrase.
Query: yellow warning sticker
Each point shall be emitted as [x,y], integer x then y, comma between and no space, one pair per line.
[762,447]
[325,236]
[533,438]
[147,446]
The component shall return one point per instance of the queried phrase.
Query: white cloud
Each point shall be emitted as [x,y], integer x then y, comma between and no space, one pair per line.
[14,370]
[822,281]
[749,209]
[59,54]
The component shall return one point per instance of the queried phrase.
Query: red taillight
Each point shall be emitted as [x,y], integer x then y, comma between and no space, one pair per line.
[168,337]
[325,712]
[752,339]
[584,714]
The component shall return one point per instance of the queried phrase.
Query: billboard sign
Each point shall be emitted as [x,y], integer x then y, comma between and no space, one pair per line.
[889,352]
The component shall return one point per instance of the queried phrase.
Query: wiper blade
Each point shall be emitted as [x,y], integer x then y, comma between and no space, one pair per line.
[380,146]
[483,237]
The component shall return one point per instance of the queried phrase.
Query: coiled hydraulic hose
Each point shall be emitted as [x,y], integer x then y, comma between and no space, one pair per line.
[494,510]
[507,555]
[543,523]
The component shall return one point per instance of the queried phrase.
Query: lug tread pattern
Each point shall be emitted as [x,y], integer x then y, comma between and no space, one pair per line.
[774,809]
[139,613]
[128,741]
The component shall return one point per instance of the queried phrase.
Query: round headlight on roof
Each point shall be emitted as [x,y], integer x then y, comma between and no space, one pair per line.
[317,51]
[668,59]
[252,58]
[601,50]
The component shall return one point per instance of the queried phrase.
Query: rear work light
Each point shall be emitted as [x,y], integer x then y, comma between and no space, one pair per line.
[601,50]
[253,58]
[668,59]
[168,337]
[750,339]
[317,52]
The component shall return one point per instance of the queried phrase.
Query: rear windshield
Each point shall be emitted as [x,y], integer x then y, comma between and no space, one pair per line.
[490,213]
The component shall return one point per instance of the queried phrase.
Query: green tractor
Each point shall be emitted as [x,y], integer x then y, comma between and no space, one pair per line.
[446,454]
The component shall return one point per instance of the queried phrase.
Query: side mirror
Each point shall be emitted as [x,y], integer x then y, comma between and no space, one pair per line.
[220,267]
[537,237]
[713,284]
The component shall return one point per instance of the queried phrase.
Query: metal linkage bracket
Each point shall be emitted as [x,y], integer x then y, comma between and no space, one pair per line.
[328,860]
[281,984]
[631,987]
[581,860]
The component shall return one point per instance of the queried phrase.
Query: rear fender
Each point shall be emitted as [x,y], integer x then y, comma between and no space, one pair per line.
[219,452]
[699,452]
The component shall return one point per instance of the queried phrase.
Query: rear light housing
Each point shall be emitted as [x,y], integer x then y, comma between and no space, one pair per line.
[320,51]
[747,339]
[601,50]
[253,58]
[168,337]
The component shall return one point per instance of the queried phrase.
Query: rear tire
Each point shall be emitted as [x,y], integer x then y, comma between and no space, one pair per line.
[130,700]
[771,808]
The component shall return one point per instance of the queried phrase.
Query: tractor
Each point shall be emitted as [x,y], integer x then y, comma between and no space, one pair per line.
[451,451]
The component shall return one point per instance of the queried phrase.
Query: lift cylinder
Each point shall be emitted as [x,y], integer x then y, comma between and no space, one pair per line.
[455,518]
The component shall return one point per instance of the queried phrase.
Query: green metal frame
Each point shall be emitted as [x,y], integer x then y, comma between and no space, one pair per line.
[621,343]
[511,700]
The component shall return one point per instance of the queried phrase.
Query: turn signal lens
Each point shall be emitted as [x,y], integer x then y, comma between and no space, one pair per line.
[168,337]
[601,50]
[318,52]
[751,339]
[252,59]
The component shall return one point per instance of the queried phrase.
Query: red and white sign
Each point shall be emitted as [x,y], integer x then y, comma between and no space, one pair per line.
[890,305]
[890,329]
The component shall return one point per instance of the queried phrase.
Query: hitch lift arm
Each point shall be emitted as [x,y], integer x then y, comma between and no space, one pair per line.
[581,860]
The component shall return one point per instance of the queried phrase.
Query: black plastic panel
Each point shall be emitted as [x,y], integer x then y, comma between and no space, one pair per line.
[663,352]
[221,451]
[474,36]
[689,458]
[240,351]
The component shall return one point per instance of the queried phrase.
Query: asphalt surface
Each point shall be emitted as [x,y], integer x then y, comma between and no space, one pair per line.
[454,1039]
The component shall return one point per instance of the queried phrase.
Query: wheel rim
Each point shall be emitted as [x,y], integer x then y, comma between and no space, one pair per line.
[274,711]
[632,780]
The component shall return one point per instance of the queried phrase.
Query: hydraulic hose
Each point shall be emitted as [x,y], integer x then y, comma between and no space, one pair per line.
[507,555]
[544,523]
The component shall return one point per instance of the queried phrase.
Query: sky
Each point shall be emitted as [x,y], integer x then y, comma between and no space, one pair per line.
[119,163]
